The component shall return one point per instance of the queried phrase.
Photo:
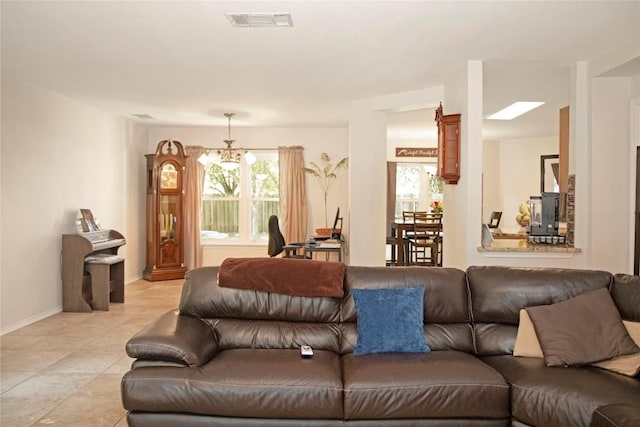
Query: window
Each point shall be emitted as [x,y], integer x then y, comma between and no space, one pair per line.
[417,187]
[237,203]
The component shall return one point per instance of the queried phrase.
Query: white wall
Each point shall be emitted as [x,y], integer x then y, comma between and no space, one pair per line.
[461,227]
[333,141]
[610,177]
[57,156]
[136,188]
[634,145]
[491,182]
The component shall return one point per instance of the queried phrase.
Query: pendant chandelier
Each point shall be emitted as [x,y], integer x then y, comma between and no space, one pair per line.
[229,158]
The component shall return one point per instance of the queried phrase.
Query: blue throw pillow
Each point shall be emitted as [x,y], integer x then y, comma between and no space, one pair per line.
[390,320]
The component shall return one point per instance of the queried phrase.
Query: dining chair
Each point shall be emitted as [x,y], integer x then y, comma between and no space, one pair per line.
[426,242]
[409,217]
[392,242]
[421,216]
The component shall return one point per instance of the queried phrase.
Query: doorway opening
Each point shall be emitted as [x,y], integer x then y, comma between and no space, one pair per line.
[417,188]
[636,245]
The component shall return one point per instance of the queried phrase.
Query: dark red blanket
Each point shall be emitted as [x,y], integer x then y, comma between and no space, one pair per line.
[289,276]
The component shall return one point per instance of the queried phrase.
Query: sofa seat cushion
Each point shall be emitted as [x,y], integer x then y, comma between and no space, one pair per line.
[558,396]
[246,383]
[439,384]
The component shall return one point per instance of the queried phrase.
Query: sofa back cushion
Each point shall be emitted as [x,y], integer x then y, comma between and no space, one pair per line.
[499,293]
[446,318]
[626,294]
[252,319]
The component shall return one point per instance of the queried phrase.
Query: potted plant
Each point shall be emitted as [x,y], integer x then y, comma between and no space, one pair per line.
[325,174]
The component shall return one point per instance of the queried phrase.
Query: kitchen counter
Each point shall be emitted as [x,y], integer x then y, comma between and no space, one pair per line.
[521,245]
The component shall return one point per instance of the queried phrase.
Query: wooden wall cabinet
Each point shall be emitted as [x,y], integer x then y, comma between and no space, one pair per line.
[448,146]
[165,212]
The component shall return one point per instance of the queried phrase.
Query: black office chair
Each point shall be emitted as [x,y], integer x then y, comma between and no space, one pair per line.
[276,239]
[277,243]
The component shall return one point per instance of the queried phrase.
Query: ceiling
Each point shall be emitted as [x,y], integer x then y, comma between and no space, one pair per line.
[183,63]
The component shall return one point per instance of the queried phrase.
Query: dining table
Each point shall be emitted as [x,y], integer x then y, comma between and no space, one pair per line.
[399,230]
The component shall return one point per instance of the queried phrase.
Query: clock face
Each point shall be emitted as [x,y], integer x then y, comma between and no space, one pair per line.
[168,177]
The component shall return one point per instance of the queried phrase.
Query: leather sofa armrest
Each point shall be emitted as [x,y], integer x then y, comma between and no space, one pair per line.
[616,415]
[175,338]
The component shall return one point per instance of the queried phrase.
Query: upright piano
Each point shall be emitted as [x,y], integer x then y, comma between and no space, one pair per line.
[92,271]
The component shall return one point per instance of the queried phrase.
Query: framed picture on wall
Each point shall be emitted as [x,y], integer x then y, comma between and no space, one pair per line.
[549,170]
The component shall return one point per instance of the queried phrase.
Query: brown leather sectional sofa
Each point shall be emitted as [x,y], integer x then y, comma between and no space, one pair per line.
[230,357]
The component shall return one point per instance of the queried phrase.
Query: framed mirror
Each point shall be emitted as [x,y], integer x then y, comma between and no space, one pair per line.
[549,170]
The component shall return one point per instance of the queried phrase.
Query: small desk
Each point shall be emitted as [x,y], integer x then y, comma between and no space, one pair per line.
[324,247]
[306,251]
[291,251]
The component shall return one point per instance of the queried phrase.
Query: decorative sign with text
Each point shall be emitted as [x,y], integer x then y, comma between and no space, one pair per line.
[416,152]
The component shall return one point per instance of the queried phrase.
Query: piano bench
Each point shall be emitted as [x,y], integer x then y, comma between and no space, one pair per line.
[107,282]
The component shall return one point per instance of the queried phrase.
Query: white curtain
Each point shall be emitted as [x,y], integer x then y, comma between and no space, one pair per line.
[293,194]
[194,179]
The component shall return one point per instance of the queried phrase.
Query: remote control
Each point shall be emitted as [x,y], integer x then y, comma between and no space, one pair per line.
[306,351]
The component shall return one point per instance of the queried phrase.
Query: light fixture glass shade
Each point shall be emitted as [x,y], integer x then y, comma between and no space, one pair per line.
[213,157]
[249,157]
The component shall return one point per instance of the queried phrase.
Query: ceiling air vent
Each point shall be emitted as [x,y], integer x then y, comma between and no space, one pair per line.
[282,19]
[143,116]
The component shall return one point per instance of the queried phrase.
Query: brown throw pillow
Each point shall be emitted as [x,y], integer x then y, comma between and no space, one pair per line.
[581,330]
[527,345]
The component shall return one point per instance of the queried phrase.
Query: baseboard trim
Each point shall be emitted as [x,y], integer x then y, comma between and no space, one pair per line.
[30,320]
[135,278]
[48,313]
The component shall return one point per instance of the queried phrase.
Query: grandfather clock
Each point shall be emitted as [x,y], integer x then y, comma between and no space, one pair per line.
[165,212]
[448,146]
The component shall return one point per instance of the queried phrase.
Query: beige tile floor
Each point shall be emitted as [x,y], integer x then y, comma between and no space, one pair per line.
[65,370]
